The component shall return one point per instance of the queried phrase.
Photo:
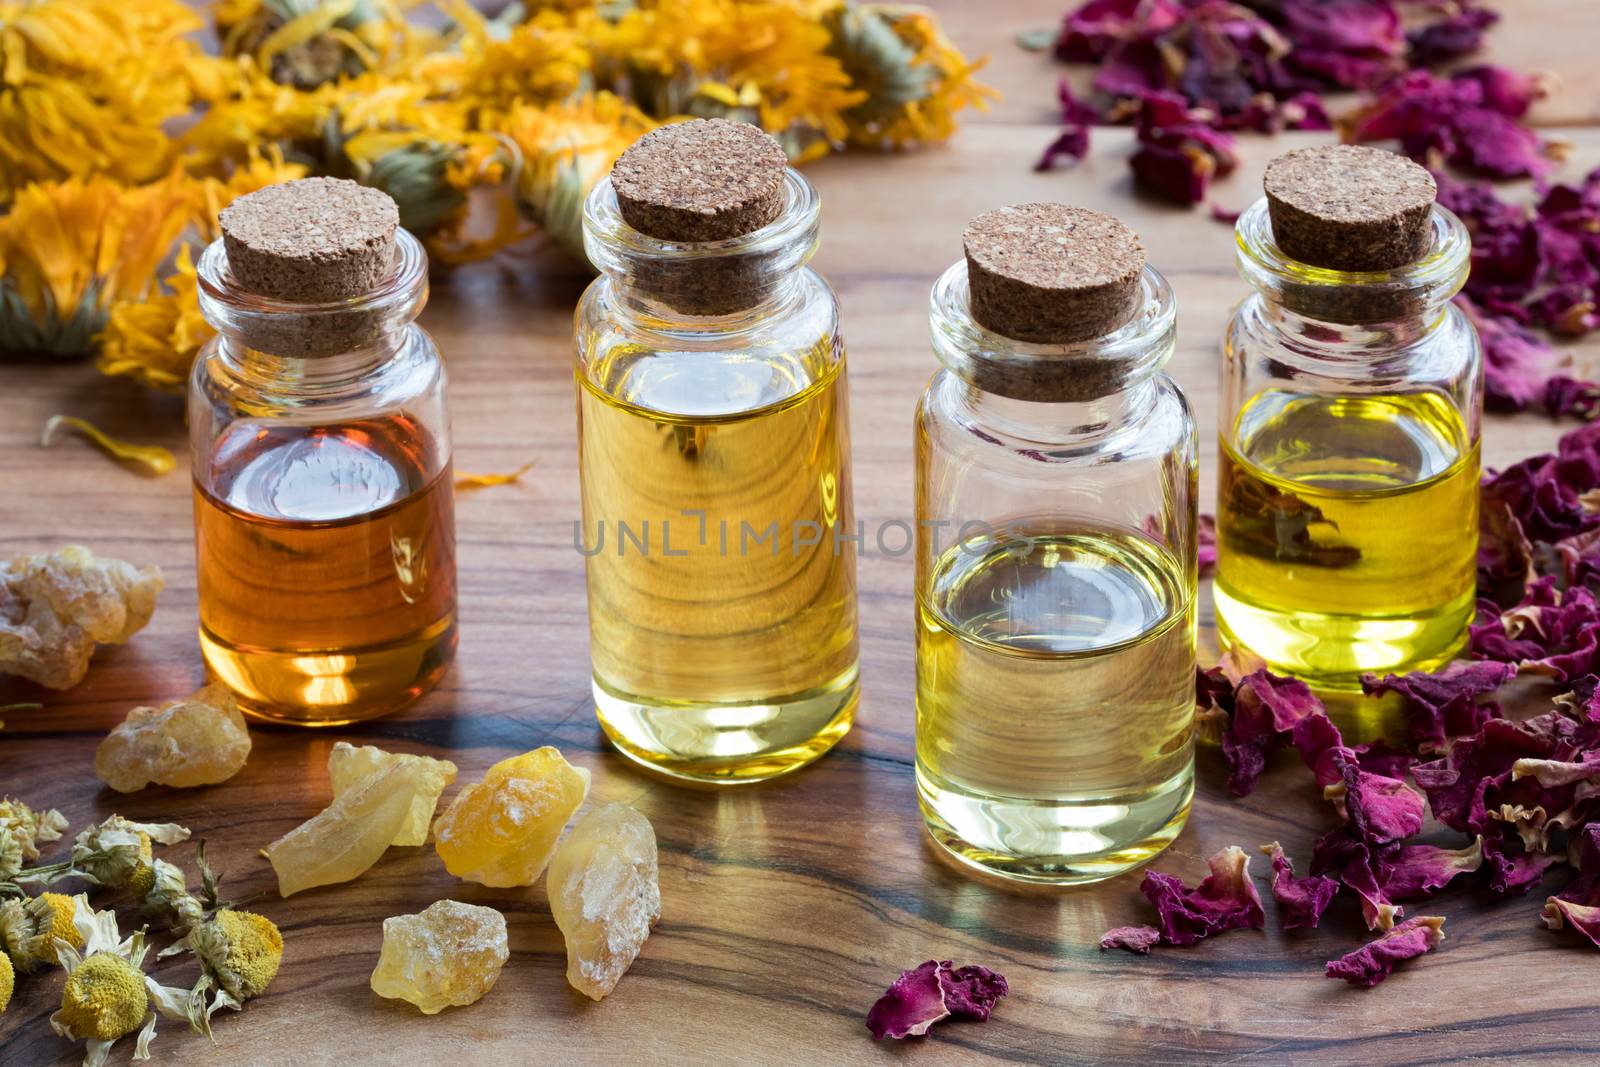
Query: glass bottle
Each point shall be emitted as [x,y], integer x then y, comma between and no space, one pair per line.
[324,516]
[714,456]
[1349,417]
[1056,583]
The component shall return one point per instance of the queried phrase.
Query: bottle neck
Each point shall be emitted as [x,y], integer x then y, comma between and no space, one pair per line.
[1006,419]
[648,308]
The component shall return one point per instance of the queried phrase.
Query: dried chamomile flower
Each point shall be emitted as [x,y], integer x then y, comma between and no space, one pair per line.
[349,835]
[107,995]
[167,894]
[239,951]
[199,740]
[349,766]
[604,895]
[501,831]
[8,982]
[54,608]
[22,831]
[448,955]
[116,854]
[32,928]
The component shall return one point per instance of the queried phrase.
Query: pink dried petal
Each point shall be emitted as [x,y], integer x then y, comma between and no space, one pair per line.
[1140,939]
[1300,900]
[913,1003]
[1226,900]
[971,992]
[1378,809]
[1206,535]
[1375,961]
[1582,918]
[1454,36]
[1443,704]
[1413,871]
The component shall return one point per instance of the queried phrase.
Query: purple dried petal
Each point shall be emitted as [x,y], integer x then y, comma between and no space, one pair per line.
[1513,870]
[1413,871]
[1072,144]
[1140,939]
[1379,809]
[1443,704]
[913,1003]
[971,992]
[1226,900]
[1342,853]
[1452,37]
[1583,918]
[1381,758]
[1375,961]
[1206,534]
[1300,900]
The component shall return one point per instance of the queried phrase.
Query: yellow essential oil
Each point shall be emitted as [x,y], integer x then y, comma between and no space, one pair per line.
[1055,701]
[1347,533]
[721,603]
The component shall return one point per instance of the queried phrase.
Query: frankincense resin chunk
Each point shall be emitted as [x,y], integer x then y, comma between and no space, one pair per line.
[604,895]
[349,765]
[501,831]
[55,608]
[199,740]
[349,835]
[447,955]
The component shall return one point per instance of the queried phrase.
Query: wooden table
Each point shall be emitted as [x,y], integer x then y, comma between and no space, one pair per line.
[787,908]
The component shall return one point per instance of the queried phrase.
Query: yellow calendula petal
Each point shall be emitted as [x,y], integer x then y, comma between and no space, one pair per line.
[485,481]
[151,459]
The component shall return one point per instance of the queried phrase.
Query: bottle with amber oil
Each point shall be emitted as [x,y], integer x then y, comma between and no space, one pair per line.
[1351,398]
[1056,570]
[714,457]
[324,525]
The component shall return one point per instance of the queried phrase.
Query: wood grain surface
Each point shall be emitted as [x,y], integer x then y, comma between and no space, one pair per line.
[787,908]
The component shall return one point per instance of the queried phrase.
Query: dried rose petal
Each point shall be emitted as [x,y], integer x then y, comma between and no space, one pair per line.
[971,992]
[914,1002]
[1582,918]
[1459,118]
[1375,961]
[1378,809]
[1226,900]
[1454,36]
[1301,900]
[1443,704]
[1206,535]
[1413,871]
[1140,939]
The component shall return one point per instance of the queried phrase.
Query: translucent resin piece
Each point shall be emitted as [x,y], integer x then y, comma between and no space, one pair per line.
[445,956]
[349,766]
[604,895]
[501,831]
[55,608]
[350,834]
[199,740]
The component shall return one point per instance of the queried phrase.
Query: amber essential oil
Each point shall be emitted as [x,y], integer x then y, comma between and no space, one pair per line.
[1347,533]
[721,606]
[1055,701]
[325,562]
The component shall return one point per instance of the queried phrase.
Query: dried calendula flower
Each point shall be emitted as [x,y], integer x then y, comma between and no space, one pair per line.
[446,956]
[199,740]
[604,895]
[350,765]
[350,834]
[107,995]
[32,928]
[55,607]
[501,831]
[240,952]
[22,831]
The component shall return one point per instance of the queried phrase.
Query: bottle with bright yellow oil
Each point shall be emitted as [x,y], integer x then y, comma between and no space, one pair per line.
[1056,577]
[717,530]
[1348,460]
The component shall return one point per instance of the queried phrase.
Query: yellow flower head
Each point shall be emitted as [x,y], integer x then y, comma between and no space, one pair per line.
[307,43]
[29,928]
[8,981]
[87,85]
[566,149]
[243,950]
[70,249]
[540,61]
[104,998]
[155,341]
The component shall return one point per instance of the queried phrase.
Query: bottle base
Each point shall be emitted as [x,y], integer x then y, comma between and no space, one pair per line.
[1332,652]
[331,688]
[1055,843]
[729,744]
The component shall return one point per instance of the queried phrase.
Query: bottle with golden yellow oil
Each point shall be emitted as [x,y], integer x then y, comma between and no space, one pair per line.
[1056,567]
[324,522]
[715,462]
[1351,398]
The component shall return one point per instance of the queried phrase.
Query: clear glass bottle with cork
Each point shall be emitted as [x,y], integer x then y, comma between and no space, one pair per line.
[324,522]
[1350,410]
[1056,568]
[715,461]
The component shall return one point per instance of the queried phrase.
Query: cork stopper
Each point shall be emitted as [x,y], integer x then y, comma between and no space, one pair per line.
[311,241]
[1052,274]
[701,180]
[1350,207]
